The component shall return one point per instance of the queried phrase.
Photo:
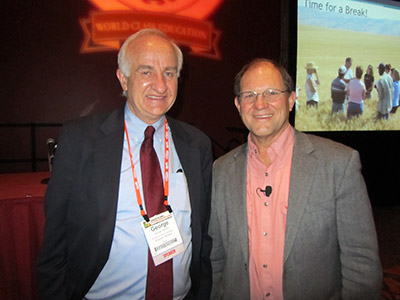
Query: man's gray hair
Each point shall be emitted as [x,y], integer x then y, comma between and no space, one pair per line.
[123,61]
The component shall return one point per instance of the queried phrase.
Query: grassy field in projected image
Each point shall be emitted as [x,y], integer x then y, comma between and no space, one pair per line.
[328,48]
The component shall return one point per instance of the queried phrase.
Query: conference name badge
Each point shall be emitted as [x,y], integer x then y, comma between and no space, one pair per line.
[163,237]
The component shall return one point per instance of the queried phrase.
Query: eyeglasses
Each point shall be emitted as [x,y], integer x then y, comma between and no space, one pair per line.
[250,97]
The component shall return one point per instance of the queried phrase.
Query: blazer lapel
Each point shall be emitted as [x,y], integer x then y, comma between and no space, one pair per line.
[301,178]
[107,158]
[189,157]
[238,188]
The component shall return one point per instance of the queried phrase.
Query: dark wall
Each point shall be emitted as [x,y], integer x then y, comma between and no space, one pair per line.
[379,152]
[45,79]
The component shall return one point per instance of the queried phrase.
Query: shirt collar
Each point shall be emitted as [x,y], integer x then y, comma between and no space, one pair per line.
[278,148]
[136,127]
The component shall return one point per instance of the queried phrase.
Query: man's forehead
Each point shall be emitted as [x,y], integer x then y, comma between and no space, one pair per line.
[265,69]
[149,43]
[263,72]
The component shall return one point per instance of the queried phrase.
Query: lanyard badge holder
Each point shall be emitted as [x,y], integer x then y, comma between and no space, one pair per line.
[161,231]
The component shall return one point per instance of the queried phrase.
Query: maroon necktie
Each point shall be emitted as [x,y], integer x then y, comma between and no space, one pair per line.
[159,283]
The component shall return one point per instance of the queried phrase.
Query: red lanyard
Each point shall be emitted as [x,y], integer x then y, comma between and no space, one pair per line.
[166,172]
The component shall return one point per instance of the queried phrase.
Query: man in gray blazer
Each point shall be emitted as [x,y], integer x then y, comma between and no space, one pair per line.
[94,242]
[290,216]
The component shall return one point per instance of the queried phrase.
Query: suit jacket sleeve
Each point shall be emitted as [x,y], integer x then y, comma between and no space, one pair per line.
[218,250]
[195,154]
[205,278]
[51,265]
[201,266]
[360,264]
[228,227]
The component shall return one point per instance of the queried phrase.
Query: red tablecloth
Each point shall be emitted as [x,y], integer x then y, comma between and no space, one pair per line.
[21,232]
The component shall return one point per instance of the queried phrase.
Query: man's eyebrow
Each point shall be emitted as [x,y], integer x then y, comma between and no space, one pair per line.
[140,67]
[148,67]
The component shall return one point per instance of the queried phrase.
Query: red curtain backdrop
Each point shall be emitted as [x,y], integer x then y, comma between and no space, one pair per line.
[21,233]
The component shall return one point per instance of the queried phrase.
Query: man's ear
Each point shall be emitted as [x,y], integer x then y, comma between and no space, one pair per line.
[123,80]
[237,104]
[292,100]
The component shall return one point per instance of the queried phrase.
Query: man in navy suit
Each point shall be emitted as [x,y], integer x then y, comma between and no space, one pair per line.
[94,243]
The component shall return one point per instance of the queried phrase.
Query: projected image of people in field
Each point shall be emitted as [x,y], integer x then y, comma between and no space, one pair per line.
[342,38]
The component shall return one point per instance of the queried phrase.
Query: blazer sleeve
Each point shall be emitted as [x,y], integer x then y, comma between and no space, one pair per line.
[218,250]
[360,264]
[205,278]
[195,153]
[51,264]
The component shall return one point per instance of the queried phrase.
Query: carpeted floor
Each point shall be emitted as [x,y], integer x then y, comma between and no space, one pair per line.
[387,221]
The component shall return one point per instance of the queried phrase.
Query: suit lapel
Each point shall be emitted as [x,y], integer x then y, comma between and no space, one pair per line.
[238,188]
[107,158]
[301,178]
[189,157]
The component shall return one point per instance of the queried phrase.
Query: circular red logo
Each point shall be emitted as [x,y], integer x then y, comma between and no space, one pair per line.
[197,9]
[165,6]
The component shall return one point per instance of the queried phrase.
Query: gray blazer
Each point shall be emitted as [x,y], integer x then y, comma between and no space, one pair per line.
[331,249]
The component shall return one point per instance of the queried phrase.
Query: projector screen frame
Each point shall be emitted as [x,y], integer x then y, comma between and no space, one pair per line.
[289,57]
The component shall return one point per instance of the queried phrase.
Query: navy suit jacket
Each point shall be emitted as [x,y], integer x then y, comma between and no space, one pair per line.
[81,203]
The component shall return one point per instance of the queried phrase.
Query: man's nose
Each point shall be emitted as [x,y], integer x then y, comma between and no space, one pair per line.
[159,83]
[261,101]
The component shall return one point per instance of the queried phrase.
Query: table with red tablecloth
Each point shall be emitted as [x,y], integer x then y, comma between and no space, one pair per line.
[21,232]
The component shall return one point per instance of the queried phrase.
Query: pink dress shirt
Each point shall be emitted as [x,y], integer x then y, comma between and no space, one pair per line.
[267,215]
